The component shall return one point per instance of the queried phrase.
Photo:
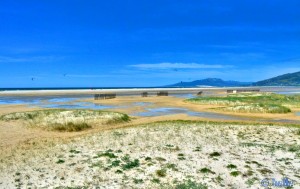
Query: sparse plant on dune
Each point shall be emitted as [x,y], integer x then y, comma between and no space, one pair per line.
[231,166]
[161,172]
[235,173]
[189,184]
[70,127]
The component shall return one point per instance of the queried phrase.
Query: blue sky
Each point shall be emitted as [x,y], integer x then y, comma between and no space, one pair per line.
[124,43]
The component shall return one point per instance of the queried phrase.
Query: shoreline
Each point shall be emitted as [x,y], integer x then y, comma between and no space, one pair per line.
[137,91]
[118,91]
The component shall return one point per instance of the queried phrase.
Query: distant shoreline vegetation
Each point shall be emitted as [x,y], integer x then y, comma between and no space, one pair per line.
[252,102]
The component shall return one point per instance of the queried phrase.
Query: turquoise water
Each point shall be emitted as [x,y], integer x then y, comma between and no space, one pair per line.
[35,100]
[13,100]
[289,93]
[150,112]
[65,102]
[184,95]
[142,103]
[78,105]
[62,99]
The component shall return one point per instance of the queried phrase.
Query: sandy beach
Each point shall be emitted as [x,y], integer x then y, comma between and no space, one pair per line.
[163,163]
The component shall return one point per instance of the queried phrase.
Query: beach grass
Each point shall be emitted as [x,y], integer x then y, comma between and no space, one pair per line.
[252,102]
[66,120]
[71,127]
[258,108]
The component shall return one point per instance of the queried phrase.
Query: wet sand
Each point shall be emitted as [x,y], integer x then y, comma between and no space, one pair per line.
[180,103]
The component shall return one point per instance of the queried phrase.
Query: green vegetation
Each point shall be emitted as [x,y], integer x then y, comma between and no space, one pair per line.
[131,164]
[125,162]
[252,102]
[155,180]
[74,151]
[265,171]
[290,79]
[219,123]
[235,173]
[70,127]
[97,164]
[115,163]
[294,148]
[171,166]
[107,154]
[161,172]
[251,181]
[215,154]
[248,173]
[272,148]
[219,179]
[206,170]
[160,159]
[231,166]
[181,157]
[60,161]
[138,181]
[256,163]
[66,120]
[190,185]
[259,108]
[172,148]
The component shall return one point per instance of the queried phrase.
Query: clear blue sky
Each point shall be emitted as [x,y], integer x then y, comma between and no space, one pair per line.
[127,43]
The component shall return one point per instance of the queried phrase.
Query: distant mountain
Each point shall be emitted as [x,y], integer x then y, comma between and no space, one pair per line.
[290,79]
[210,82]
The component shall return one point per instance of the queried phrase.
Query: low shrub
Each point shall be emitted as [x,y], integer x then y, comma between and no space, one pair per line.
[161,173]
[70,127]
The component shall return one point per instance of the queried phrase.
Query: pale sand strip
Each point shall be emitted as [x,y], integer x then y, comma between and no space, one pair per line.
[132,91]
[96,91]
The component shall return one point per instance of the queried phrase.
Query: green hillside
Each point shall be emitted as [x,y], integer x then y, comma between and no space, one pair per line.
[290,79]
